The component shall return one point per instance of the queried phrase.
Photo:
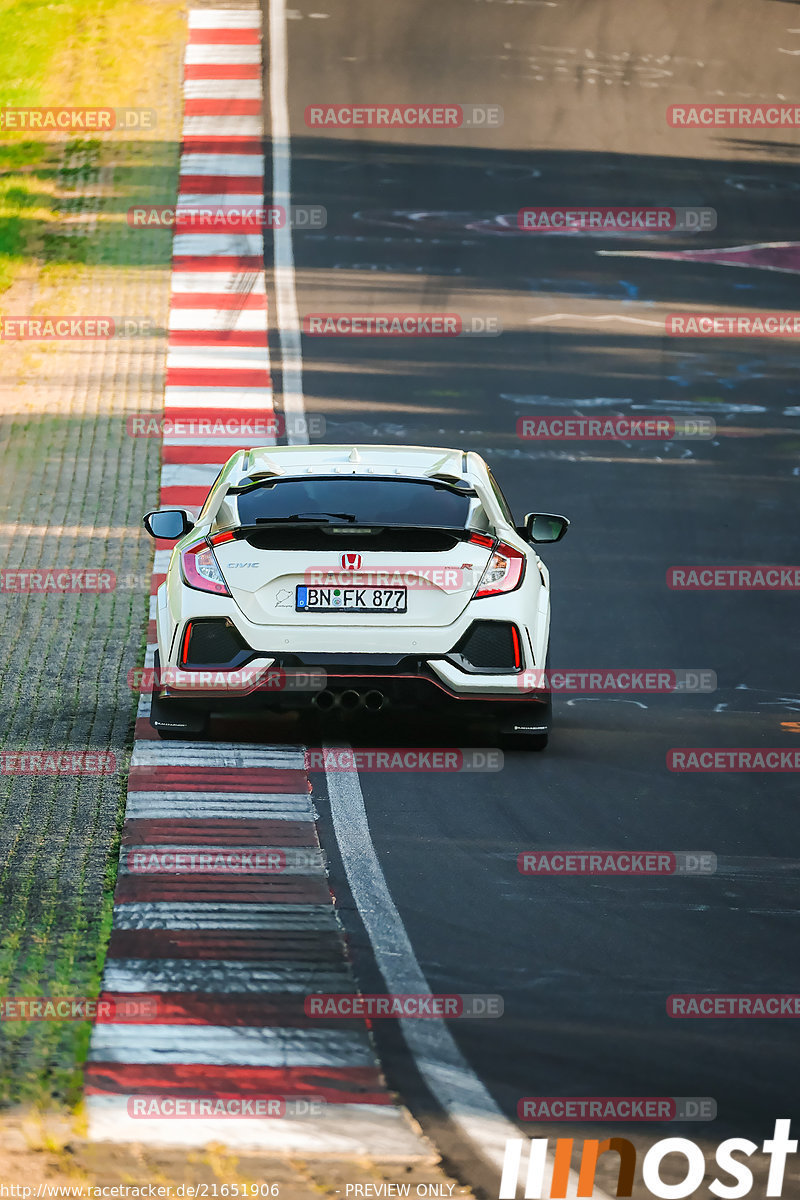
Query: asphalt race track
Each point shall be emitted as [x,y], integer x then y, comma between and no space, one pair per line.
[584,965]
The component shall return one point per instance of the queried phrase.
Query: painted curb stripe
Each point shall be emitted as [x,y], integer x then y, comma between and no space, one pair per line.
[229,1046]
[235,89]
[355,1084]
[221,106]
[222,148]
[146,859]
[218,300]
[233,282]
[219,165]
[221,184]
[165,805]
[249,945]
[228,978]
[191,779]
[221,754]
[218,453]
[230,37]
[220,71]
[217,262]
[279,889]
[208,55]
[224,18]
[180,914]
[221,339]
[217,832]
[189,1008]
[356,1131]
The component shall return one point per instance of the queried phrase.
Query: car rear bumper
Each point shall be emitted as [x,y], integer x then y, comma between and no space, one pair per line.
[373,682]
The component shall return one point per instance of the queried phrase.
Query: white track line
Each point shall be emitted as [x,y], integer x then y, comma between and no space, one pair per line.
[446,1072]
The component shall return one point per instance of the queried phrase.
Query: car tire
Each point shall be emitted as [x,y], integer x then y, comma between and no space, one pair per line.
[512,740]
[170,718]
[522,738]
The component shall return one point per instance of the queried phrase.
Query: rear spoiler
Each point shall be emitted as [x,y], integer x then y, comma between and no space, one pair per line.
[438,478]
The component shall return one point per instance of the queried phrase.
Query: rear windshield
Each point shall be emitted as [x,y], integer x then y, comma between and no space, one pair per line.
[368,501]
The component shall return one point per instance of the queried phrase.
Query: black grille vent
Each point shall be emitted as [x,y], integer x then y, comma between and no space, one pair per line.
[488,645]
[215,644]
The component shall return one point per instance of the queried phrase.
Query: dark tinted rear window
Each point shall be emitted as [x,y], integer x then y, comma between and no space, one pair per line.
[371,501]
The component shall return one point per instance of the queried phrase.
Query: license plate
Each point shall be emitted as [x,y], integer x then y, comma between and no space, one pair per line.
[350,599]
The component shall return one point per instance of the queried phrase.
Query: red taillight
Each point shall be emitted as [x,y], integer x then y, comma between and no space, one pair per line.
[481,539]
[201,569]
[515,644]
[503,572]
[187,633]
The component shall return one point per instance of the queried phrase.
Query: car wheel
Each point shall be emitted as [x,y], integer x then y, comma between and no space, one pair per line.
[172,719]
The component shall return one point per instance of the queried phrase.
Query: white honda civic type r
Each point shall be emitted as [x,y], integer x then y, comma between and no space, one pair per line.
[354,578]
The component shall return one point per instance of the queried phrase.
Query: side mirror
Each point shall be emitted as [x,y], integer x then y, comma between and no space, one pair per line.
[543,527]
[168,523]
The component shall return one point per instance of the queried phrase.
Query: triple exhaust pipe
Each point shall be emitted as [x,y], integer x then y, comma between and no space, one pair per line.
[349,700]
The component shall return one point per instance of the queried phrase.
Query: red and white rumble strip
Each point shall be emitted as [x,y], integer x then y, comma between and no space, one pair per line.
[227,957]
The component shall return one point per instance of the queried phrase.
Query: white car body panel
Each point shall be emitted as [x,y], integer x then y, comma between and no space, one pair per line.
[262,581]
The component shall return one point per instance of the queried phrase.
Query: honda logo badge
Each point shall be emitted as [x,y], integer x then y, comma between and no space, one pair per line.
[351,562]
